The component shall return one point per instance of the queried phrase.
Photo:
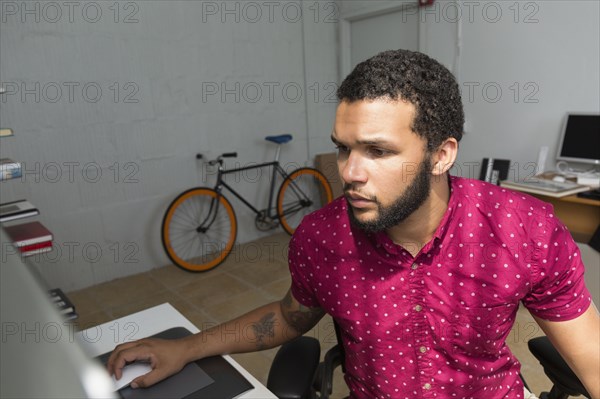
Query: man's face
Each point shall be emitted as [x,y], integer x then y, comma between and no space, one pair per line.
[384,165]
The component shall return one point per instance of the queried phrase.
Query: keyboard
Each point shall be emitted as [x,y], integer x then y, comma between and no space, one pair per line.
[548,185]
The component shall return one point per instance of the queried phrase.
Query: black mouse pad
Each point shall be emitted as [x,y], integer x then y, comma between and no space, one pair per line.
[211,377]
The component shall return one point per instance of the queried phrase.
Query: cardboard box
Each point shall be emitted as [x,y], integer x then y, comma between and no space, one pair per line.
[327,164]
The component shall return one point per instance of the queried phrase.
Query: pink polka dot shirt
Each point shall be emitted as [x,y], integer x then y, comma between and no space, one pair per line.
[435,325]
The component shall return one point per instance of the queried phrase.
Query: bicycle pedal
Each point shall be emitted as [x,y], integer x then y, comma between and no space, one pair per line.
[264,222]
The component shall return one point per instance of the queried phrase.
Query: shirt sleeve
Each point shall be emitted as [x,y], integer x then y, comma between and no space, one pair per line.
[558,291]
[300,264]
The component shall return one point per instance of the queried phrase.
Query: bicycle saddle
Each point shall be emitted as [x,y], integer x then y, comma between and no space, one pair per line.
[281,139]
[555,367]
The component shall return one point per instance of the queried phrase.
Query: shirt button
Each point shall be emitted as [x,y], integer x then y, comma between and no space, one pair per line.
[418,308]
[414,266]
[423,349]
[427,386]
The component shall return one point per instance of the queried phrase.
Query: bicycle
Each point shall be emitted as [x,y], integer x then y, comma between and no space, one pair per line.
[199,228]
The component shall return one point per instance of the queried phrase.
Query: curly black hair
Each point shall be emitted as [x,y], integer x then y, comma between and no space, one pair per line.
[416,78]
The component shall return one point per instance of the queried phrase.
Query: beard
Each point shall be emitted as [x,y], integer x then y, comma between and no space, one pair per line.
[403,206]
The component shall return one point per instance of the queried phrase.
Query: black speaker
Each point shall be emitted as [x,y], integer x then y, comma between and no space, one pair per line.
[595,240]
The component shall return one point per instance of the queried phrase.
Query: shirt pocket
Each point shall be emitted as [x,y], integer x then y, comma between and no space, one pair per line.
[481,331]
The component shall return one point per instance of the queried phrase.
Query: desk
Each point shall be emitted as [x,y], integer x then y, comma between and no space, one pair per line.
[103,338]
[580,215]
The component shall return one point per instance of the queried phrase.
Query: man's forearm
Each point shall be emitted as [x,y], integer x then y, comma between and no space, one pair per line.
[266,327]
[578,342]
[262,328]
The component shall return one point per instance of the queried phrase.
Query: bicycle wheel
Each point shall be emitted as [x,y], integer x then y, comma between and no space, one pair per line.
[305,190]
[199,229]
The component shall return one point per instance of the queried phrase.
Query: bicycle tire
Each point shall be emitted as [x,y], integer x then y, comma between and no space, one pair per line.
[189,248]
[303,191]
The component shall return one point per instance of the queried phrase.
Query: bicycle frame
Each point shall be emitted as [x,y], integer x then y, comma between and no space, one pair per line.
[276,169]
[270,211]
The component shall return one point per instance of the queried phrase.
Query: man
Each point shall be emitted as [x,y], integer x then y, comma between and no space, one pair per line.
[423,272]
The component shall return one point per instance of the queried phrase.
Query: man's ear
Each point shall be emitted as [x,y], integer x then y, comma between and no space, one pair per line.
[444,156]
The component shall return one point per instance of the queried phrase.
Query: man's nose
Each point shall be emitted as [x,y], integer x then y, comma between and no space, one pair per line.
[352,169]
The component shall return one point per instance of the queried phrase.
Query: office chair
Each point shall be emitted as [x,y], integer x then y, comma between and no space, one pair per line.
[297,374]
[564,381]
[289,379]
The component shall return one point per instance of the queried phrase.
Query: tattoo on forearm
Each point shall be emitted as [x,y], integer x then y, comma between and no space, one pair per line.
[264,330]
[301,318]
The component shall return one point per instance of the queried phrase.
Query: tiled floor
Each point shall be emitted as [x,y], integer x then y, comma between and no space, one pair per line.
[255,274]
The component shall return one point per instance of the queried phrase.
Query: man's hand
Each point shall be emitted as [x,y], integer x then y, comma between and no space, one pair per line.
[166,358]
[266,327]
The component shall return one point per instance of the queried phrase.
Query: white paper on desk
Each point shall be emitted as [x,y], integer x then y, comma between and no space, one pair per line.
[130,373]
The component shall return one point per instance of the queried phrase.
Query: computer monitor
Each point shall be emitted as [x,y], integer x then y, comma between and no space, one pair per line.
[40,356]
[580,139]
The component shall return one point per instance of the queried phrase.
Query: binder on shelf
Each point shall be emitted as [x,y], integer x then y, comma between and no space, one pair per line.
[9,164]
[28,234]
[9,169]
[494,170]
[10,174]
[6,132]
[545,187]
[64,305]
[35,249]
[16,210]
[70,316]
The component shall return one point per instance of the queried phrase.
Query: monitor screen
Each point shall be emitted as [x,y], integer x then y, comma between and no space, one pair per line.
[40,355]
[580,139]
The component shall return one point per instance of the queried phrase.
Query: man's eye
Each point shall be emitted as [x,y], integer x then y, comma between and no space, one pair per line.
[378,152]
[341,148]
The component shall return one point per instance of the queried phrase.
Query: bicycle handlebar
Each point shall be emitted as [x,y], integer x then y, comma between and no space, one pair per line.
[225,155]
[219,158]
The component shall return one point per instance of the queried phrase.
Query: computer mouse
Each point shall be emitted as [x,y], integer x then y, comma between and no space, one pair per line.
[131,372]
[559,179]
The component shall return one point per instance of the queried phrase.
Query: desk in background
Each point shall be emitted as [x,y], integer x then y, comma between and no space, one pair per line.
[103,338]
